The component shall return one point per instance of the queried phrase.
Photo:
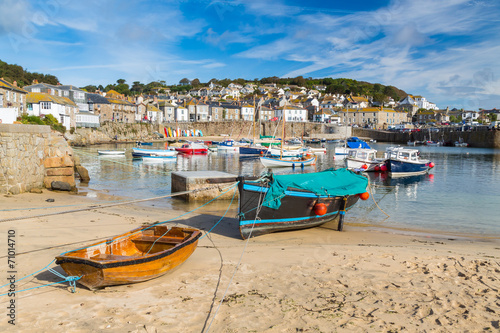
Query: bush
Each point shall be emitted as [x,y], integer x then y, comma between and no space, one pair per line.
[47,120]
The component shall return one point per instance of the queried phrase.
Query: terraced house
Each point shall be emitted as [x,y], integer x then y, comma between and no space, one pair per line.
[373,117]
[12,101]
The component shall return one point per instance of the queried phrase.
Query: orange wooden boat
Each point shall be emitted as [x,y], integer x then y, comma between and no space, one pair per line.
[138,255]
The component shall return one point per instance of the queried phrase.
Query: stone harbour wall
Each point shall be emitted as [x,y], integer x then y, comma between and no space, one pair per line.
[33,157]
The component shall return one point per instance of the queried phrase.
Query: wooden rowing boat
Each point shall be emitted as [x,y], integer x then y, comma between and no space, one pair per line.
[136,256]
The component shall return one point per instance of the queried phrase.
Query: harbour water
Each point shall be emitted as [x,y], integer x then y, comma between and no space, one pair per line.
[460,197]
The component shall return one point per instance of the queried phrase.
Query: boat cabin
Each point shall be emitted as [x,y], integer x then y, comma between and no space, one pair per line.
[362,154]
[400,153]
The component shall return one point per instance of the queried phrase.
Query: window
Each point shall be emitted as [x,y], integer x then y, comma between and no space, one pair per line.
[45,105]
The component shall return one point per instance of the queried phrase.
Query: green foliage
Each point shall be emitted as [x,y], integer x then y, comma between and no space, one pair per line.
[13,73]
[90,88]
[47,120]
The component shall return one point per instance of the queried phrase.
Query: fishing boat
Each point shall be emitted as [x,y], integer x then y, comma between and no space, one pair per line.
[140,152]
[297,201]
[253,150]
[460,143]
[192,148]
[111,152]
[273,162]
[401,162]
[351,143]
[228,145]
[136,256]
[364,159]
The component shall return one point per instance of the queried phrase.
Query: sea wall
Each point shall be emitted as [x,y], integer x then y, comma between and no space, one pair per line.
[119,132]
[32,157]
[479,138]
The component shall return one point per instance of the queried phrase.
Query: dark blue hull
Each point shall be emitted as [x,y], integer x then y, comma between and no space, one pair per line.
[406,168]
[253,150]
[296,211]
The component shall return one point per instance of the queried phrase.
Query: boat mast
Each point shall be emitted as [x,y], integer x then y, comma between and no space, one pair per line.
[282,131]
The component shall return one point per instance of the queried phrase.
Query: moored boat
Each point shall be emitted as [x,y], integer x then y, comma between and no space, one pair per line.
[136,256]
[401,162]
[192,148]
[351,143]
[140,152]
[297,201]
[111,152]
[365,159]
[276,162]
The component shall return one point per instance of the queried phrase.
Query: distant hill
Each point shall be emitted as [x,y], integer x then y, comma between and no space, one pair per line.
[13,73]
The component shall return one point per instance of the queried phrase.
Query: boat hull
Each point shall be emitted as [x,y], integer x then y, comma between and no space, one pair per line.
[396,168]
[192,151]
[111,152]
[291,163]
[353,163]
[136,256]
[138,152]
[253,150]
[296,210]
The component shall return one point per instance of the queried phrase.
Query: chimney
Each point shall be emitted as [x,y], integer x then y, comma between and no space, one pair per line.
[14,83]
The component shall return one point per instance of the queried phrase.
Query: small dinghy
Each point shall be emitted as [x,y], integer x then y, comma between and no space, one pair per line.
[136,256]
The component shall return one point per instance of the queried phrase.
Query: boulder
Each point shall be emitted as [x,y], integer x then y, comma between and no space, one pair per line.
[60,186]
[84,173]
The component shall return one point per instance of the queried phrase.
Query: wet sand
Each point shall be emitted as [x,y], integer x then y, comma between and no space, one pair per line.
[314,280]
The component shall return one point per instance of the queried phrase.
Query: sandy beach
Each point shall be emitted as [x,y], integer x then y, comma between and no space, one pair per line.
[314,280]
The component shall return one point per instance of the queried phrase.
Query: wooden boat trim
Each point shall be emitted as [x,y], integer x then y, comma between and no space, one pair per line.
[133,260]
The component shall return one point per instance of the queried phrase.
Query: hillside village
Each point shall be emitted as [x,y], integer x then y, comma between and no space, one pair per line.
[75,107]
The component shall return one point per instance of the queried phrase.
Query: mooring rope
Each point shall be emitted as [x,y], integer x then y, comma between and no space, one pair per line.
[109,205]
[259,206]
[72,279]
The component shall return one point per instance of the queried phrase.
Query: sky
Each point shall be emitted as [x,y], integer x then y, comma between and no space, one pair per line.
[445,50]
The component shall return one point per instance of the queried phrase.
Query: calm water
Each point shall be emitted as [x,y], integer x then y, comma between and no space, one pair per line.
[460,196]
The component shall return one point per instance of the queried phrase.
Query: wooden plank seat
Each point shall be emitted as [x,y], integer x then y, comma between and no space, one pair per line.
[162,240]
[110,257]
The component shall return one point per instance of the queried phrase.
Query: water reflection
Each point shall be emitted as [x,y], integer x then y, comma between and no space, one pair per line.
[461,193]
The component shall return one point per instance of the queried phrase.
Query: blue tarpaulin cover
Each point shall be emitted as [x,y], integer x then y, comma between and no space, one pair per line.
[329,182]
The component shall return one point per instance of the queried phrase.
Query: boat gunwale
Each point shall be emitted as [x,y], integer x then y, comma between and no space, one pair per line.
[127,262]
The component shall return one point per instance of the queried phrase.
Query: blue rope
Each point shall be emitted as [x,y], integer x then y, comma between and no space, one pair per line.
[71,279]
[206,233]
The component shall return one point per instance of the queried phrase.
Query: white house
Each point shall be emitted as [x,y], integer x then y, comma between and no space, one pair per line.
[247,112]
[292,113]
[62,108]
[181,113]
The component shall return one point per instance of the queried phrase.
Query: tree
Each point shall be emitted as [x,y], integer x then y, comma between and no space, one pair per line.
[137,87]
[195,82]
[120,81]
[89,88]
[184,81]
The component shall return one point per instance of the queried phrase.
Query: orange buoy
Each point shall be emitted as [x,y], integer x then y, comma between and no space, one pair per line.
[364,196]
[320,209]
[364,166]
[431,165]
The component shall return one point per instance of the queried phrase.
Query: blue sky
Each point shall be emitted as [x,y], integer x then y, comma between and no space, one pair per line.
[447,51]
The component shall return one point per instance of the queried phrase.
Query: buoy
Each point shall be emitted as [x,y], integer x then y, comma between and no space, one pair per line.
[320,209]
[431,165]
[364,196]
[377,168]
[364,166]
[383,168]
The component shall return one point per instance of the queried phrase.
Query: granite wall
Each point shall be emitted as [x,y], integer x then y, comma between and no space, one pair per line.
[32,157]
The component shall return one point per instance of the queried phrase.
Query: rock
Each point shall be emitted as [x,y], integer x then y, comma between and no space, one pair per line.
[36,190]
[60,186]
[84,174]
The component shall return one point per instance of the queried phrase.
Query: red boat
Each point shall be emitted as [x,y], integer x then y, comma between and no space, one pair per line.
[192,148]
